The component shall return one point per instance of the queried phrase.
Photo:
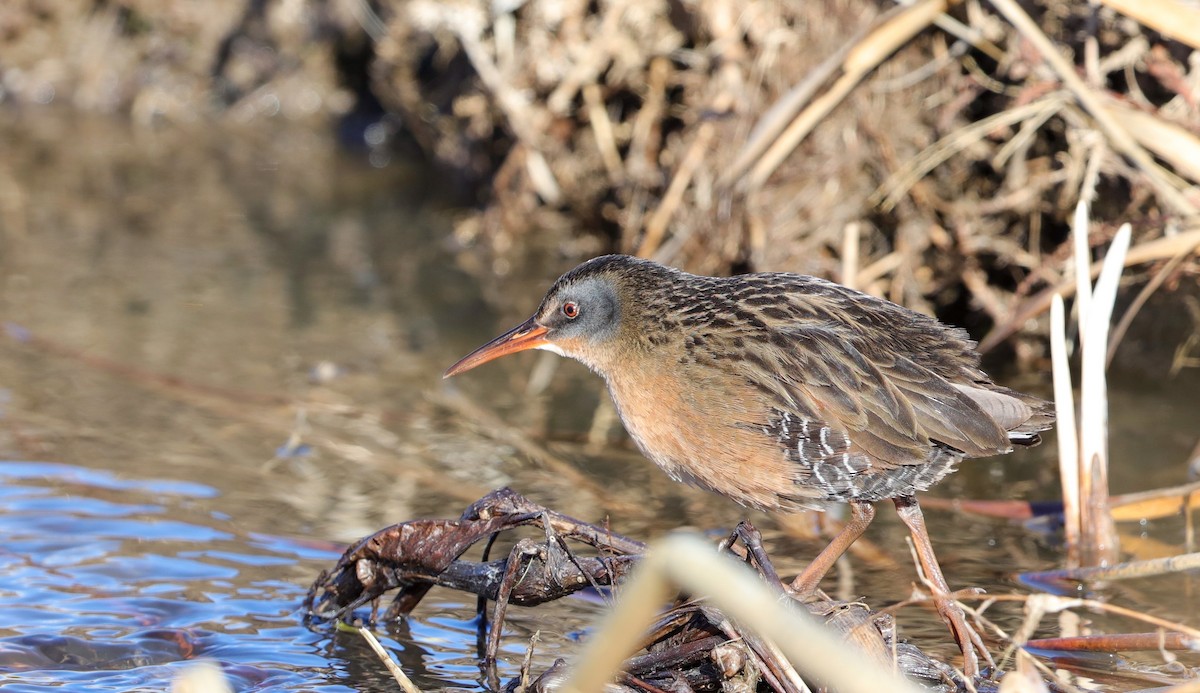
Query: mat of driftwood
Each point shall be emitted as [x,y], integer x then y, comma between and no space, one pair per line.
[691,645]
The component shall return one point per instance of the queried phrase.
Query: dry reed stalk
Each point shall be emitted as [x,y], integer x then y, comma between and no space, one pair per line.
[1098,536]
[1068,441]
[394,669]
[1168,17]
[1157,503]
[1129,570]
[850,242]
[1118,642]
[1083,454]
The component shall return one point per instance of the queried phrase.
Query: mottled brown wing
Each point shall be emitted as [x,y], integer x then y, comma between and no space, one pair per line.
[855,388]
[892,408]
[841,447]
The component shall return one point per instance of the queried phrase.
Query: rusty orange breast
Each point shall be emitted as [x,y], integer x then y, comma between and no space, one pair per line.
[707,431]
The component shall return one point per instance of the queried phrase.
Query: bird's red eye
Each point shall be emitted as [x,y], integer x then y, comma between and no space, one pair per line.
[571,310]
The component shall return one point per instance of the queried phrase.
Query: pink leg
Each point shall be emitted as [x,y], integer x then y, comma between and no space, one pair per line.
[968,640]
[861,514]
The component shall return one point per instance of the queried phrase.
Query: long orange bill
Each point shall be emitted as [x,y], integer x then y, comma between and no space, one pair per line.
[527,335]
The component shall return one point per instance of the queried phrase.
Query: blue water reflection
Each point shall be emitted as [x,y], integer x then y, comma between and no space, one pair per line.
[112,593]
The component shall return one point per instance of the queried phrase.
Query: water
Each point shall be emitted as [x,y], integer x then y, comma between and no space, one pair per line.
[221,363]
[114,584]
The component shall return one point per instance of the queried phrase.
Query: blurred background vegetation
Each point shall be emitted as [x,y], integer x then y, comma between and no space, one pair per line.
[941,160]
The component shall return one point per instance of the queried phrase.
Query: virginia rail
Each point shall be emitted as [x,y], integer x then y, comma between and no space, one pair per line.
[784,392]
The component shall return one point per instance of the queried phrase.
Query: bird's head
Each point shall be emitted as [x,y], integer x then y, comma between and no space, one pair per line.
[583,316]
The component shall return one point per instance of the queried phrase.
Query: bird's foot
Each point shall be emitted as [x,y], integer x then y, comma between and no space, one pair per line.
[967,638]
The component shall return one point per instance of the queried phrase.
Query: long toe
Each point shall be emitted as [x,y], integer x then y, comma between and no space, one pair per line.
[965,636]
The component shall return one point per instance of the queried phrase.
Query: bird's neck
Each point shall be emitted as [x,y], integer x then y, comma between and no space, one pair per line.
[608,361]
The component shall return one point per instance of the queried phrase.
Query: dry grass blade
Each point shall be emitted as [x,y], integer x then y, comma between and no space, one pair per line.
[850,242]
[1122,571]
[1068,443]
[868,54]
[1172,143]
[1120,138]
[397,673]
[1083,267]
[1083,453]
[1170,18]
[1159,503]
[897,186]
[1118,642]
[690,563]
[1097,533]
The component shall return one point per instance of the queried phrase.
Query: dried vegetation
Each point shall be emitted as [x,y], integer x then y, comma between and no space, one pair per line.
[930,152]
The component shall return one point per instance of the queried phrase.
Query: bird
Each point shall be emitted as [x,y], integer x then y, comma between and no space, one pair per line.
[784,392]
